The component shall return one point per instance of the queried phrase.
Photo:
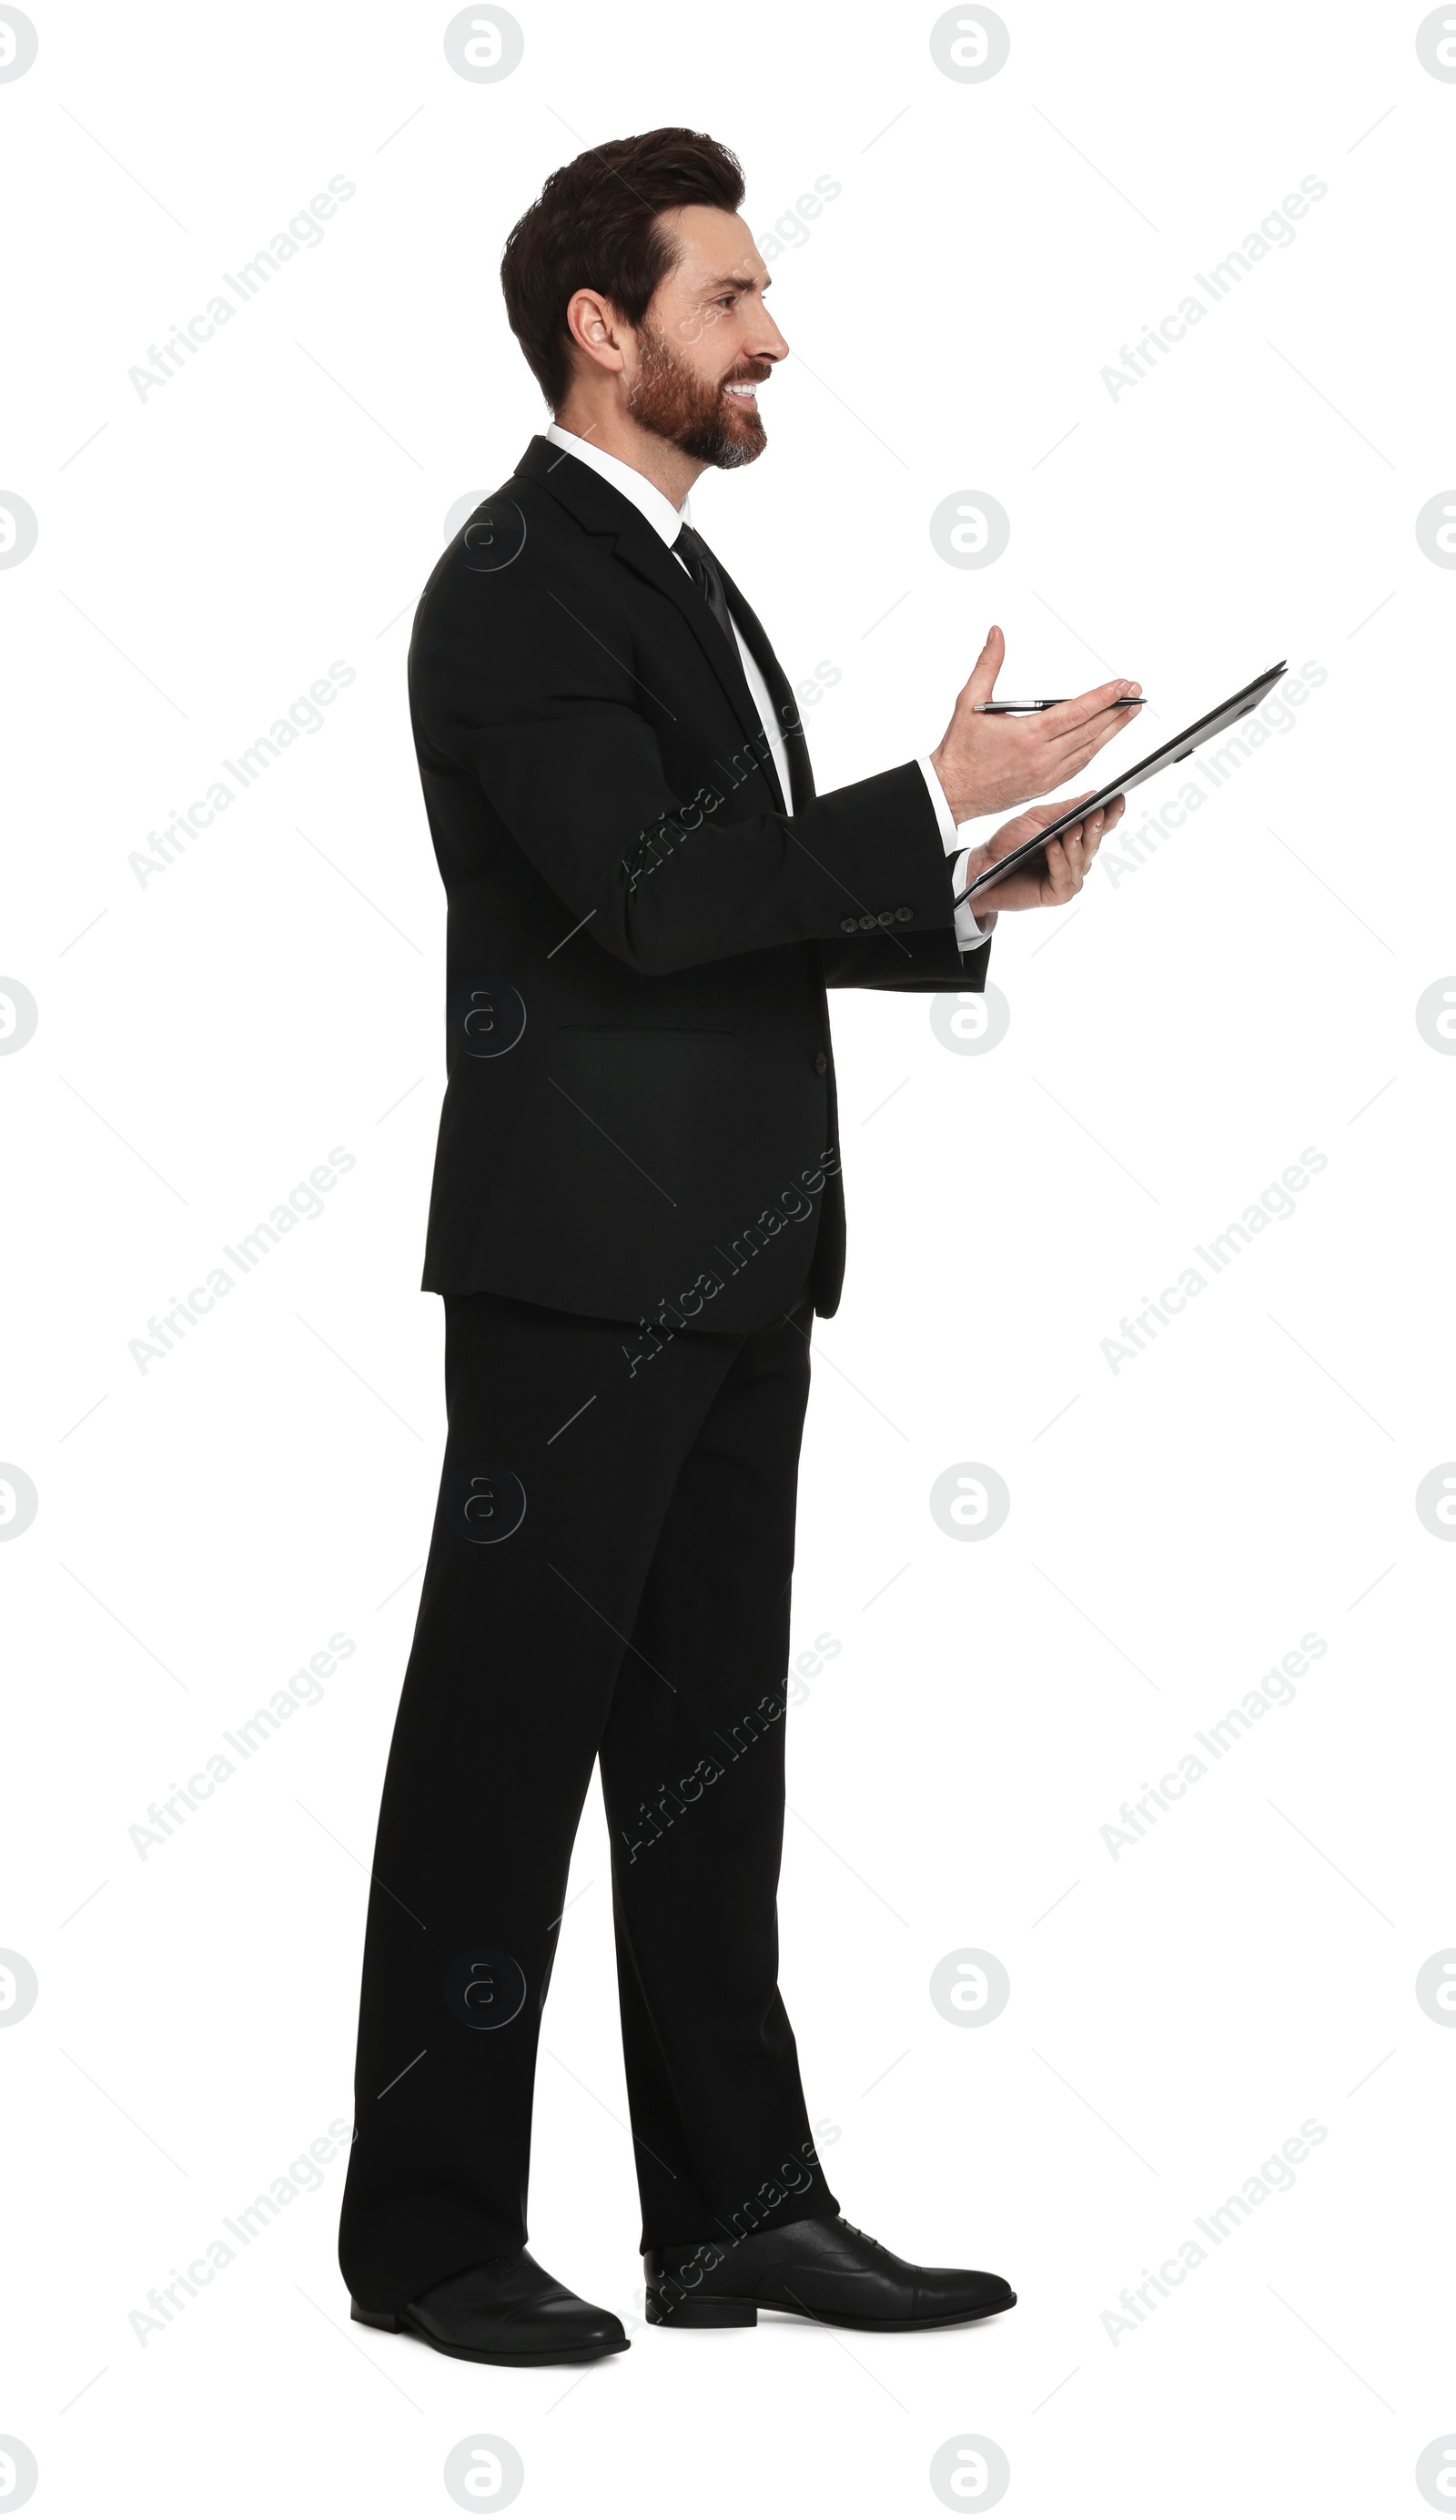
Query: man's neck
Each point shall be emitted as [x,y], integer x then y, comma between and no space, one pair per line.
[657,458]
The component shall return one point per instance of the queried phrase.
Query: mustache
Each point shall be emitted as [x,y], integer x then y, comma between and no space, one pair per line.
[749,375]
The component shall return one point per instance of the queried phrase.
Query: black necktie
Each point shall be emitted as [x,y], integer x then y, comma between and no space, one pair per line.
[703,573]
[703,570]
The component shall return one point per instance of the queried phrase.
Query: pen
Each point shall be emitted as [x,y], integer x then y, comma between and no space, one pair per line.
[1022,708]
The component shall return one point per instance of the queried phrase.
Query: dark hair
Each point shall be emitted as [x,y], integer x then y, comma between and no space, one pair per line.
[596,226]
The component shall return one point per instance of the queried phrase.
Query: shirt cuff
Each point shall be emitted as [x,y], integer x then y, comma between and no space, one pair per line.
[969,932]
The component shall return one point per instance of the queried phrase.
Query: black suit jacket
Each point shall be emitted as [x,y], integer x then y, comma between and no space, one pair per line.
[640,1117]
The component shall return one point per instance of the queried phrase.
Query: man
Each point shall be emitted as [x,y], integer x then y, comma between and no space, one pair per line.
[636,1213]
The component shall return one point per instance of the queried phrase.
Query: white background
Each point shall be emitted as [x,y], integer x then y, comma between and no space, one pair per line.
[206,1037]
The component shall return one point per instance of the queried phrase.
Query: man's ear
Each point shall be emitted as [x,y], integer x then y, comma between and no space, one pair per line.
[596,331]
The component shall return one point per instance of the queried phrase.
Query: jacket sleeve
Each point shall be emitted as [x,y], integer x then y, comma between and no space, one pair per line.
[513,687]
[936,964]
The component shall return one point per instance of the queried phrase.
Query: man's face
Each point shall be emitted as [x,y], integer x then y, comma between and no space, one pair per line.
[707,341]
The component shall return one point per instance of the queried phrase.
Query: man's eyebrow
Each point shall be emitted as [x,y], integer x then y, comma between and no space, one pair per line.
[734,280]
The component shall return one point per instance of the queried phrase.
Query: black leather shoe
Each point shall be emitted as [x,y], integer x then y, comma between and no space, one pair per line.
[824,2270]
[508,2309]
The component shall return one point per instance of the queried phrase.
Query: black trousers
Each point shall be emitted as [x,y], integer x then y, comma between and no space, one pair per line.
[609,1578]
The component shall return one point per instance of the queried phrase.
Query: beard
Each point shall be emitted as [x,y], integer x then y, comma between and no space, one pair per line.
[691,411]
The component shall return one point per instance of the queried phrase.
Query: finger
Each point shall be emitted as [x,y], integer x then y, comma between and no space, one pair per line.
[1054,811]
[1059,872]
[1068,715]
[1093,829]
[1038,815]
[1081,742]
[1069,763]
[982,683]
[1072,752]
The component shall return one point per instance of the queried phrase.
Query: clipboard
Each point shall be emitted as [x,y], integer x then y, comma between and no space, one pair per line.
[1177,749]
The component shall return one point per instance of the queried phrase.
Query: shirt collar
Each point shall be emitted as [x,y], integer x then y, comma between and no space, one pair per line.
[646,497]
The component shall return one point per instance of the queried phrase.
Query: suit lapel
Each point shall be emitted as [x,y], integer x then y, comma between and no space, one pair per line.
[601,510]
[645,552]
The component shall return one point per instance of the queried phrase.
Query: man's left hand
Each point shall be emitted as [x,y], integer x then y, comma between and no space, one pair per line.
[1046,885]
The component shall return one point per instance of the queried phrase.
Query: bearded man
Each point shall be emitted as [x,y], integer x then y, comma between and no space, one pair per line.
[637,1213]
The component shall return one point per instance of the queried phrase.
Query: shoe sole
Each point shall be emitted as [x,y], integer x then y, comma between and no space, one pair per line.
[399,2323]
[701,2312]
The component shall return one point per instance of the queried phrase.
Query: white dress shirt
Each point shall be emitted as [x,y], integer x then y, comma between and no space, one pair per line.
[669,521]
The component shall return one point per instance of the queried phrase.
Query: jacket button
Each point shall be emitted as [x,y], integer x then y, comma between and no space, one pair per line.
[821,1063]
[886,919]
[849,927]
[869,919]
[904,913]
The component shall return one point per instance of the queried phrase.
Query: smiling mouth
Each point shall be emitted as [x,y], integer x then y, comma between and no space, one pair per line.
[745,396]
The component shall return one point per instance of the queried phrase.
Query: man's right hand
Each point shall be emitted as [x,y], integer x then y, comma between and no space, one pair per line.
[987,763]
